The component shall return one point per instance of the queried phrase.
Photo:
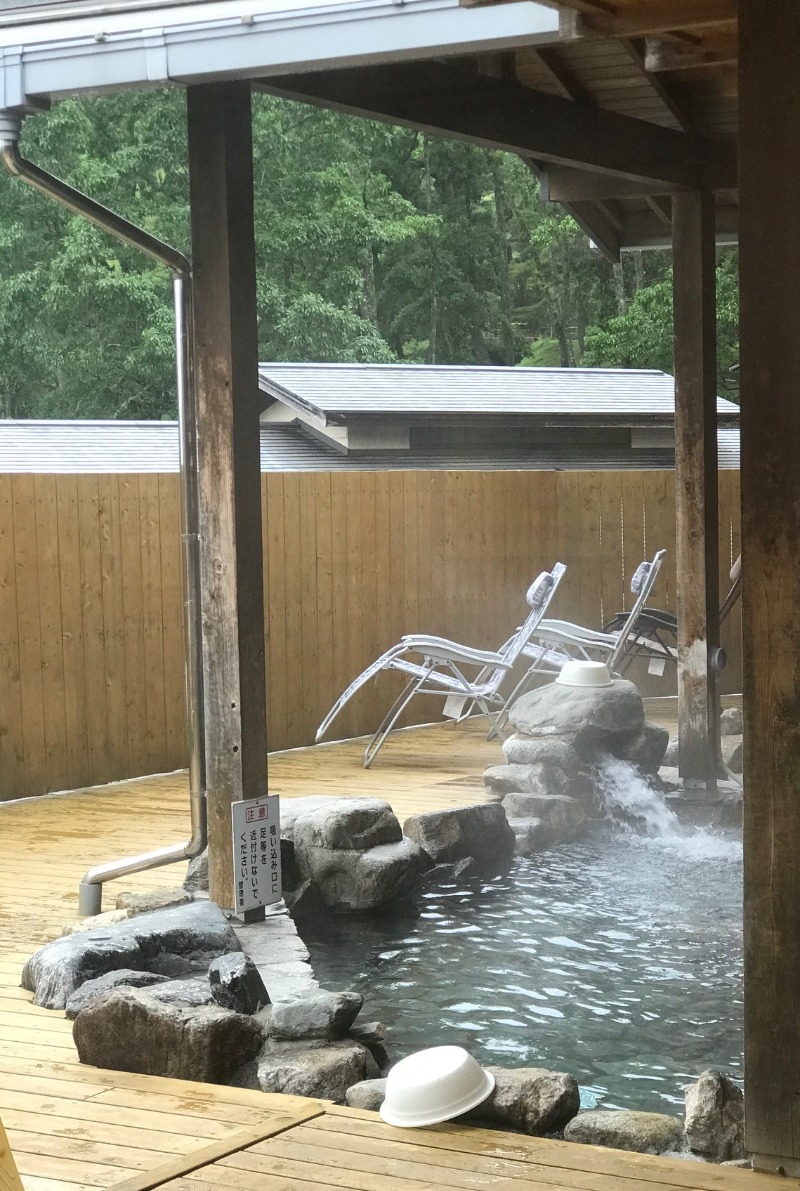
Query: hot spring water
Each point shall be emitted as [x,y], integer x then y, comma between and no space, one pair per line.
[617,958]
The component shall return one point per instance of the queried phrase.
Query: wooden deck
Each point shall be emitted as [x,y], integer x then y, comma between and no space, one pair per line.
[75,1128]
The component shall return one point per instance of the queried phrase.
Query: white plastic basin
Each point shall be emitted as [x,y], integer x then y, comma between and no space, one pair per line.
[434,1085]
[580,673]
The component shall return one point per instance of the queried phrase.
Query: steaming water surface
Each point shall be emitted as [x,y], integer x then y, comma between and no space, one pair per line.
[617,959]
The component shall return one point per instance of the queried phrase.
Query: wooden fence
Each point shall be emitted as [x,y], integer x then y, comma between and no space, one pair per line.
[90,596]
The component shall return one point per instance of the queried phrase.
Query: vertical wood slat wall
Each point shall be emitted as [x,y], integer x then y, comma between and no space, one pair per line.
[91,669]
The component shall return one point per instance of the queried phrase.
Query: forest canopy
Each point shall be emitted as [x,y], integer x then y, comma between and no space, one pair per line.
[373,244]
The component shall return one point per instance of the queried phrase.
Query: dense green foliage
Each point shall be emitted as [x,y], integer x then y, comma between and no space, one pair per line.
[373,243]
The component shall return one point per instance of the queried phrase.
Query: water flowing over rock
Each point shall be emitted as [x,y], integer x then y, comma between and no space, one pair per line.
[324,1070]
[531,1099]
[715,1118]
[622,1129]
[647,750]
[129,1030]
[479,831]
[323,1015]
[173,942]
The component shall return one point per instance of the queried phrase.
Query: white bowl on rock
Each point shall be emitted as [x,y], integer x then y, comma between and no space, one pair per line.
[581,673]
[434,1085]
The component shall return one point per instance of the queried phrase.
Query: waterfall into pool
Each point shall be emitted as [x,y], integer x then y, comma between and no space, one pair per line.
[616,958]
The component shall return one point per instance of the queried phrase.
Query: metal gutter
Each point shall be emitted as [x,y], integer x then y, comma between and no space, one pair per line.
[90,893]
[248,39]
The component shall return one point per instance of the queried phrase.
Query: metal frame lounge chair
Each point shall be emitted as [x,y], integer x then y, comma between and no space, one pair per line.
[441,669]
[555,642]
[657,631]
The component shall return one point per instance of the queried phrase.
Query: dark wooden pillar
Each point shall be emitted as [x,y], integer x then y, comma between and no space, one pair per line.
[769,222]
[696,482]
[226,372]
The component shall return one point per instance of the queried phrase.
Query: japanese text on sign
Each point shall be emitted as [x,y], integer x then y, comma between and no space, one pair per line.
[256,852]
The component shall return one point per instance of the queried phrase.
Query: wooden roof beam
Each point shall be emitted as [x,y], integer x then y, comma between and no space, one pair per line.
[662,56]
[439,98]
[653,19]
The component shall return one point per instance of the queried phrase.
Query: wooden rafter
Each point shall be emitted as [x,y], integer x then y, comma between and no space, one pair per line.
[502,114]
[669,16]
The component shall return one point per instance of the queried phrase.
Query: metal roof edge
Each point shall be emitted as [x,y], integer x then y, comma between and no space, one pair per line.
[248,39]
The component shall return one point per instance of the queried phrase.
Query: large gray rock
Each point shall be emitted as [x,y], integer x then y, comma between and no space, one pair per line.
[171,942]
[196,880]
[508,779]
[530,1099]
[236,983]
[363,880]
[622,1129]
[592,719]
[522,750]
[731,722]
[647,750]
[187,992]
[715,1118]
[129,1030]
[671,756]
[368,1095]
[324,1071]
[733,753]
[481,831]
[145,903]
[93,989]
[530,836]
[324,1015]
[563,817]
[293,809]
[349,824]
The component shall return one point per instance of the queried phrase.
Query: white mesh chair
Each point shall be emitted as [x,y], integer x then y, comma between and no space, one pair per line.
[553,643]
[441,665]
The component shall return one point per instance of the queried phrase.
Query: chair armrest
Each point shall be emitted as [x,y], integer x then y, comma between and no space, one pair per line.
[574,632]
[450,651]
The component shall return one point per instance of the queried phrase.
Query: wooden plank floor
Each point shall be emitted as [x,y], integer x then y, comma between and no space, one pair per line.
[75,1128]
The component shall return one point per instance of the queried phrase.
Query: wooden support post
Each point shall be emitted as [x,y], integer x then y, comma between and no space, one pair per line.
[769,196]
[696,482]
[226,372]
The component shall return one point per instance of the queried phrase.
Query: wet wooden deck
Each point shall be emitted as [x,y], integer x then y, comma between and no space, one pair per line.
[75,1128]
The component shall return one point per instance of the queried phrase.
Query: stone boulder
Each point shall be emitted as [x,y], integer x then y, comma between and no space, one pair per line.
[145,903]
[236,983]
[372,1035]
[670,758]
[715,1118]
[92,989]
[509,779]
[731,722]
[187,992]
[530,836]
[196,880]
[353,880]
[321,1015]
[530,1099]
[733,753]
[368,1095]
[320,1070]
[480,831]
[173,942]
[564,818]
[304,901]
[347,824]
[622,1129]
[129,1030]
[647,750]
[593,720]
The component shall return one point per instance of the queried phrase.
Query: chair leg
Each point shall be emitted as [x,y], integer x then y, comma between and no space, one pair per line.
[379,738]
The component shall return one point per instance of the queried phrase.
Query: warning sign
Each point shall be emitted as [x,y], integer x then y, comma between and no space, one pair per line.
[256,852]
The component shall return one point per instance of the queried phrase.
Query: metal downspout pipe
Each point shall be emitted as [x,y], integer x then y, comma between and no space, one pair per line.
[90,894]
